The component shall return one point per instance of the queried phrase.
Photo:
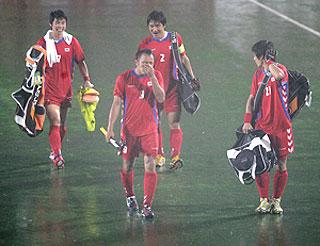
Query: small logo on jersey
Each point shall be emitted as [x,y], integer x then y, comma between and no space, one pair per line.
[149,83]
[153,49]
[67,49]
[131,86]
[273,79]
[169,47]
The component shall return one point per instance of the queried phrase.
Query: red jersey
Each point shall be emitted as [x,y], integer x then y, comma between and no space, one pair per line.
[140,116]
[273,115]
[164,62]
[58,78]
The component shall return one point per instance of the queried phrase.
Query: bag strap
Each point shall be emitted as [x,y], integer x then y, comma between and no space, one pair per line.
[177,57]
[258,98]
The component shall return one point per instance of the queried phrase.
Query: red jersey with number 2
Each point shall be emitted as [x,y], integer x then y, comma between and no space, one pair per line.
[161,49]
[140,114]
[59,77]
[273,115]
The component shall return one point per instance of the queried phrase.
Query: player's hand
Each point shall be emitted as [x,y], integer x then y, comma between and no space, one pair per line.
[246,128]
[148,70]
[110,134]
[87,84]
[196,84]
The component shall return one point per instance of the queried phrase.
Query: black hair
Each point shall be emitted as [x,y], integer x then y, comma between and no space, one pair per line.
[265,49]
[156,16]
[57,14]
[143,51]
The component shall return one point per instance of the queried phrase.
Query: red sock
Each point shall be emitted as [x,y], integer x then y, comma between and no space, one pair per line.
[55,139]
[150,185]
[127,182]
[279,183]
[63,131]
[176,137]
[262,182]
[160,150]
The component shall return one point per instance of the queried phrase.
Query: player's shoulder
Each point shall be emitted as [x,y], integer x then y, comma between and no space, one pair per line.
[124,75]
[146,40]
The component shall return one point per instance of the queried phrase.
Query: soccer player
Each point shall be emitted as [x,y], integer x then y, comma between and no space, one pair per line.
[63,50]
[138,90]
[159,41]
[273,118]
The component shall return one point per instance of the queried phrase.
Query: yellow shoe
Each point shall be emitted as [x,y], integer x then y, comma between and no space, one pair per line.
[160,160]
[275,206]
[176,163]
[264,206]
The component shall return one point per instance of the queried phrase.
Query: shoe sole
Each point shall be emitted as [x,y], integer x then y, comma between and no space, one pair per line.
[259,211]
[176,165]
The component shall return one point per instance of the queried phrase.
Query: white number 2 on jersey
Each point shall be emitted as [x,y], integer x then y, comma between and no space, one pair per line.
[162,57]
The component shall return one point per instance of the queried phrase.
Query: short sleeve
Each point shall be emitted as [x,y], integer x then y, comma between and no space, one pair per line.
[254,84]
[182,49]
[78,53]
[119,86]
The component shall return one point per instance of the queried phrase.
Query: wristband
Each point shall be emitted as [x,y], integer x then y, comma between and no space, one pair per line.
[86,78]
[247,118]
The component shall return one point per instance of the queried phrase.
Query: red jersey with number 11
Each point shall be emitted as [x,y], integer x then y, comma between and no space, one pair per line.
[273,115]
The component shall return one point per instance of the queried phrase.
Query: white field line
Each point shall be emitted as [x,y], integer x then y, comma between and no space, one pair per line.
[297,23]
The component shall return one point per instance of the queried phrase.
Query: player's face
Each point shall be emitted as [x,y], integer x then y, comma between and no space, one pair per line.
[257,60]
[58,26]
[156,29]
[143,61]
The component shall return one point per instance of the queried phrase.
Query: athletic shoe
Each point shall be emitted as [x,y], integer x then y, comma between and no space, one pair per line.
[275,206]
[160,160]
[176,163]
[132,205]
[147,213]
[264,206]
[51,156]
[58,161]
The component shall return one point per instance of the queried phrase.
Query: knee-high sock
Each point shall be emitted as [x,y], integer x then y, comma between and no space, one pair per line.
[279,183]
[176,137]
[160,137]
[127,182]
[262,182]
[55,139]
[150,185]
[63,131]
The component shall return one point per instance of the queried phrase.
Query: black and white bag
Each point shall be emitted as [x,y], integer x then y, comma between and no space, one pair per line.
[251,155]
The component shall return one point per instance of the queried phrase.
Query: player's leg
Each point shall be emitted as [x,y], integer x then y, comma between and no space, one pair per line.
[53,113]
[129,155]
[262,183]
[63,117]
[127,179]
[176,138]
[285,143]
[149,146]
[279,184]
[160,158]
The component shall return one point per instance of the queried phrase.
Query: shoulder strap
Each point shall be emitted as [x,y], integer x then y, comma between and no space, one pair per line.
[258,98]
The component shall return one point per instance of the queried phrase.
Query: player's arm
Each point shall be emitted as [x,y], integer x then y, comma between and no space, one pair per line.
[248,115]
[113,116]
[158,91]
[186,62]
[276,72]
[83,68]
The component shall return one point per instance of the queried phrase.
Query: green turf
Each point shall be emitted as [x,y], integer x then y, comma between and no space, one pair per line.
[202,204]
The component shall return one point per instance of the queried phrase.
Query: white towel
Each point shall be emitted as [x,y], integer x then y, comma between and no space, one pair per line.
[52,55]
